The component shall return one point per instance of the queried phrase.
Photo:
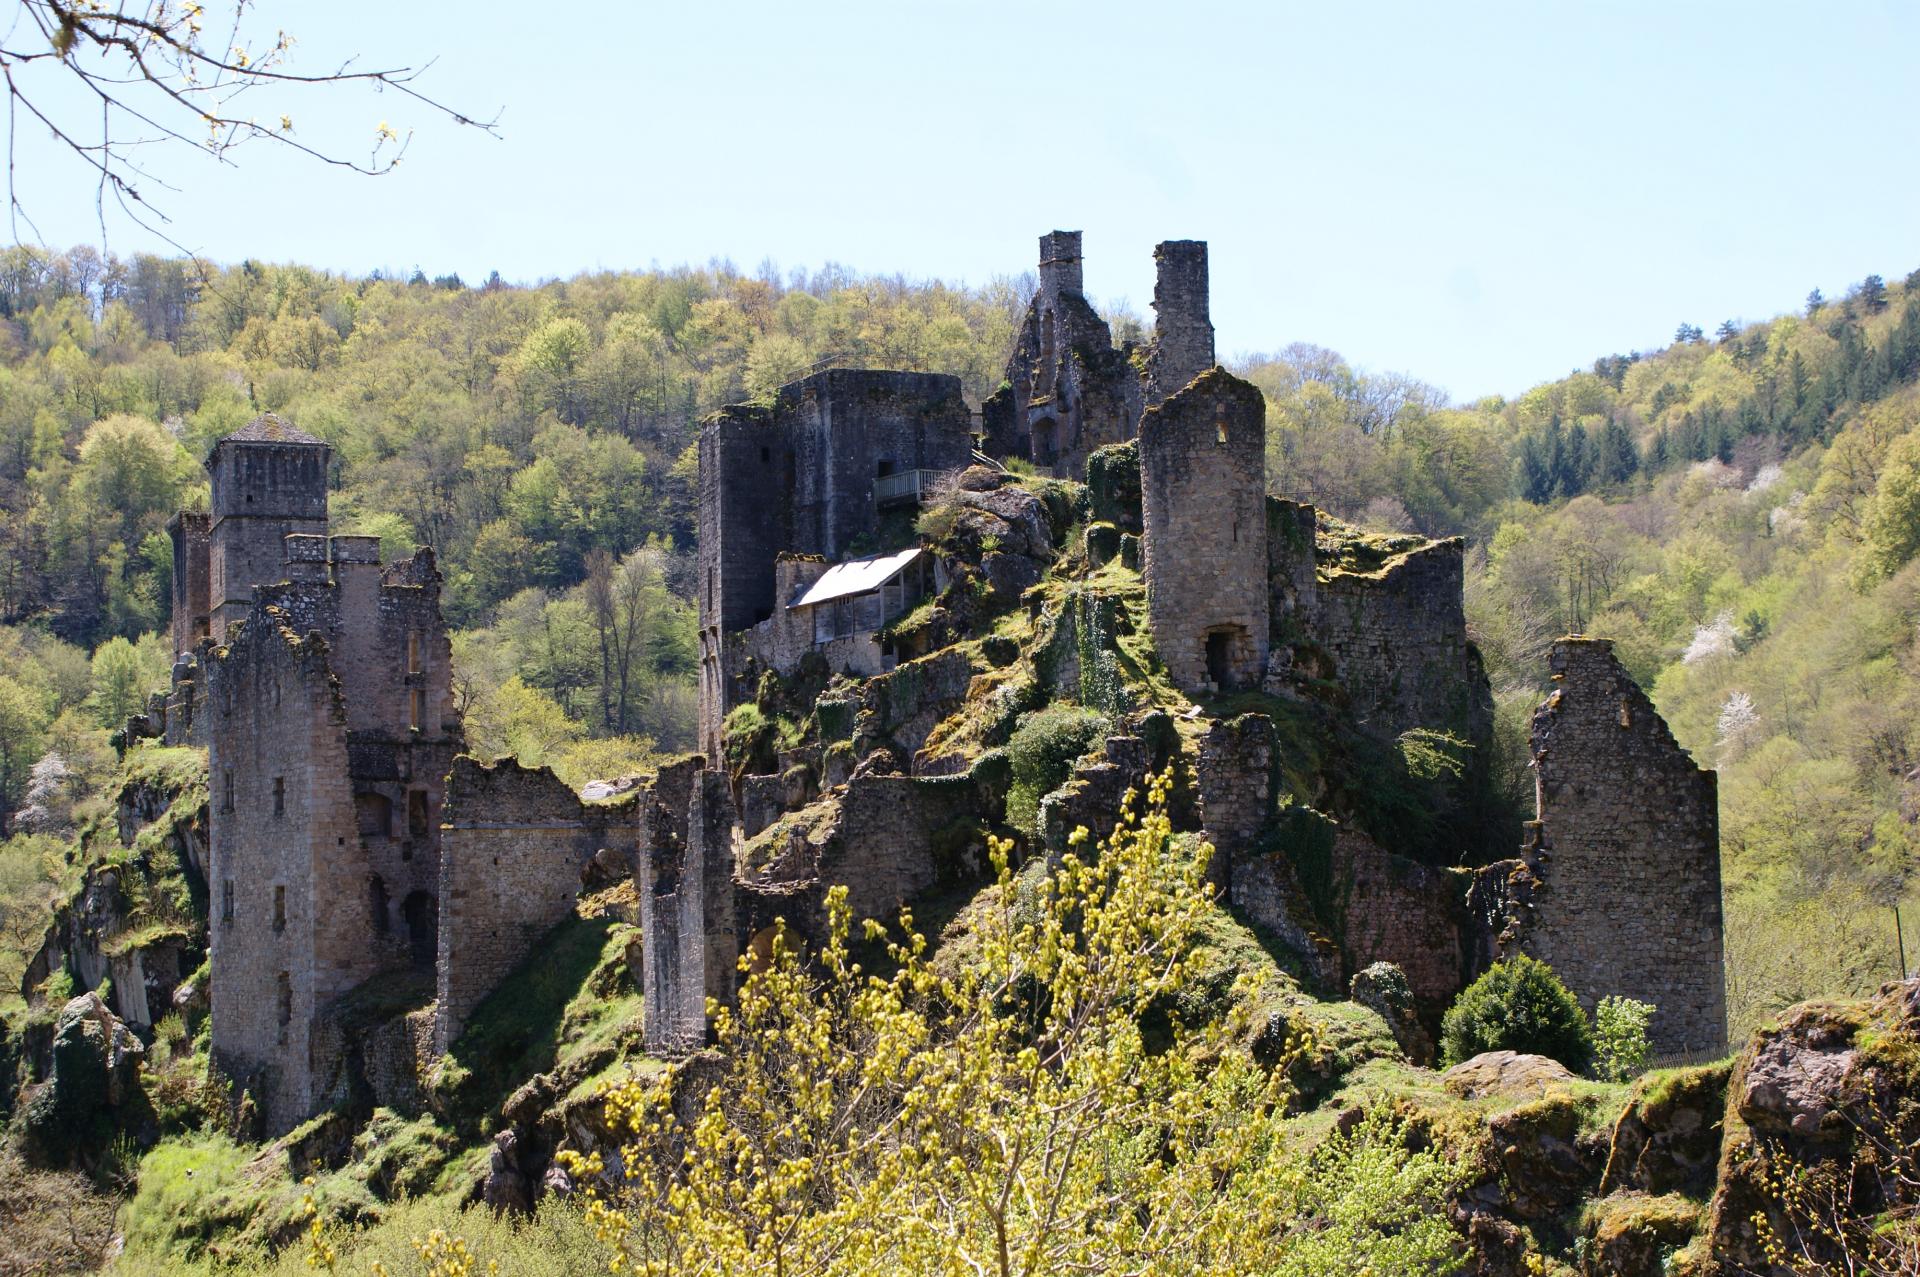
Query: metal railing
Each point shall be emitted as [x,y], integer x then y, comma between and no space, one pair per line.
[908,485]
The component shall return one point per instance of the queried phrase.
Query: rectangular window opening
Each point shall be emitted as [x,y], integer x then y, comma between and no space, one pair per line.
[226,790]
[417,711]
[286,1005]
[226,901]
[413,651]
[279,795]
[417,817]
[279,907]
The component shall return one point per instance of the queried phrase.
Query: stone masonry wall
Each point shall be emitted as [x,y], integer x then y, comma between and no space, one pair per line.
[289,904]
[268,480]
[191,533]
[516,843]
[1398,641]
[797,478]
[1068,390]
[687,906]
[1628,855]
[1203,489]
[1183,330]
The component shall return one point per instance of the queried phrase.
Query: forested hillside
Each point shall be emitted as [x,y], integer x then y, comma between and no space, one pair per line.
[1739,511]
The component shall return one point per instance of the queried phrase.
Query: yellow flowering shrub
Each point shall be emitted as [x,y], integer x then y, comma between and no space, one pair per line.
[1007,1117]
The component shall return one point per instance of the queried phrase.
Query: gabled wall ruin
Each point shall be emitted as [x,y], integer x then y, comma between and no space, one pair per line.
[1624,853]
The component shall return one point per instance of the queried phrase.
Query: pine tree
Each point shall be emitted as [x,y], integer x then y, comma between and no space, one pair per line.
[1873,294]
[1814,302]
[1727,331]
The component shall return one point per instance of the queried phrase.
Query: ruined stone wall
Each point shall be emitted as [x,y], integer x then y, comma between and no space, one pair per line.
[1398,641]
[798,479]
[1233,771]
[1068,390]
[289,902]
[1183,330]
[192,534]
[263,488]
[1628,856]
[687,904]
[1203,489]
[1292,576]
[847,426]
[516,844]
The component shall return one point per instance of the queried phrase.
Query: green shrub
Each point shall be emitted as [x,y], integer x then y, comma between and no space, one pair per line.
[1041,752]
[1620,1045]
[1518,1005]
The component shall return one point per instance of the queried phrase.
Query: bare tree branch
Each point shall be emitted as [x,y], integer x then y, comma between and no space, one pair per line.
[159,81]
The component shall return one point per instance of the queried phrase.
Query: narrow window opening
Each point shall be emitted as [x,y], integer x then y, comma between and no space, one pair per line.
[766,455]
[226,790]
[417,711]
[279,796]
[226,901]
[286,1005]
[379,902]
[279,907]
[413,651]
[417,826]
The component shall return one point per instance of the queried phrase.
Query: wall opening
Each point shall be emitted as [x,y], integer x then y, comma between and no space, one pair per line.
[1046,441]
[1228,653]
[413,651]
[417,826]
[374,812]
[226,901]
[279,796]
[279,907]
[285,1009]
[226,791]
[421,912]
[377,889]
[417,709]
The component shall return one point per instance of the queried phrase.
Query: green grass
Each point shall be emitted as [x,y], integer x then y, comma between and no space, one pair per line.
[571,1008]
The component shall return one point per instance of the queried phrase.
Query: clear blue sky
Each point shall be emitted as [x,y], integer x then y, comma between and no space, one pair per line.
[1484,196]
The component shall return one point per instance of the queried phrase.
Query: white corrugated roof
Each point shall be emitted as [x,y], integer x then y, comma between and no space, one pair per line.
[855,576]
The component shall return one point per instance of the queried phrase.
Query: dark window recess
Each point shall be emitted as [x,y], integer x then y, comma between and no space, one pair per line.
[279,795]
[286,1005]
[279,908]
[417,813]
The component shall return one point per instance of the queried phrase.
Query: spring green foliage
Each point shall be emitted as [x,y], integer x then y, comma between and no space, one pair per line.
[1620,1046]
[1008,1116]
[1518,1005]
[1041,751]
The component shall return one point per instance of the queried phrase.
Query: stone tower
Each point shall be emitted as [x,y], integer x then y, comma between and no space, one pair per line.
[1203,457]
[1627,849]
[269,480]
[1183,329]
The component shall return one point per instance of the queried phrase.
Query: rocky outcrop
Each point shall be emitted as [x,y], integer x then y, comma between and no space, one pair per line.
[1827,1089]
[92,1087]
[137,923]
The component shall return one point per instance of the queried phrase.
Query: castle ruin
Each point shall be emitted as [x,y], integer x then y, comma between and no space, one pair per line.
[350,845]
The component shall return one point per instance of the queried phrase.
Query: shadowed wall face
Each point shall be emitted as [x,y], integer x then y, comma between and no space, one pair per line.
[1629,828]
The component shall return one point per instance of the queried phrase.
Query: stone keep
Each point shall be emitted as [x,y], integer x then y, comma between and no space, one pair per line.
[797,478]
[330,729]
[1203,499]
[1626,850]
[269,480]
